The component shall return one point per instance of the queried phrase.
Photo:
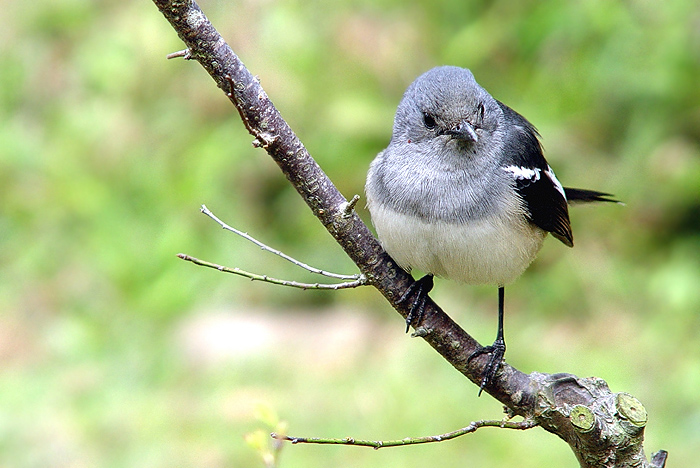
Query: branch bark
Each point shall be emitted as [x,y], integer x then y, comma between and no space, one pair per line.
[601,427]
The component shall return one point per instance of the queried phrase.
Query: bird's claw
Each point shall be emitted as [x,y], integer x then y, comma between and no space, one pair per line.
[420,288]
[497,351]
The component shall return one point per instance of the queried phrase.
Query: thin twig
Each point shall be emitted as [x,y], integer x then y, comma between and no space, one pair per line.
[658,459]
[377,444]
[185,53]
[348,207]
[361,281]
[296,262]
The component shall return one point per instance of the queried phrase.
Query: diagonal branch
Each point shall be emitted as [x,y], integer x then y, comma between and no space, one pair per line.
[272,133]
[602,428]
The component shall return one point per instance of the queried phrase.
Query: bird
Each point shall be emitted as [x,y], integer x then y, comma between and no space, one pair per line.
[463,192]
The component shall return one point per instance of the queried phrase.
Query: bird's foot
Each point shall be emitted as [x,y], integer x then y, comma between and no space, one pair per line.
[497,350]
[419,290]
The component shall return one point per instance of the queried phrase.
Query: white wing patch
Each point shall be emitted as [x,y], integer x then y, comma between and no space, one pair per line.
[555,181]
[522,173]
[533,174]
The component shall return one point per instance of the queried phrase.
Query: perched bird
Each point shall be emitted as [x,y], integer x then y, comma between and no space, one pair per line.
[464,192]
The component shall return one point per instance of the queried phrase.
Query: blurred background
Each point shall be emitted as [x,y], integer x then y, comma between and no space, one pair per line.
[115,353]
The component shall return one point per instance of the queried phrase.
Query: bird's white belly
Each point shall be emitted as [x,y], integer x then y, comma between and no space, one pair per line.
[493,250]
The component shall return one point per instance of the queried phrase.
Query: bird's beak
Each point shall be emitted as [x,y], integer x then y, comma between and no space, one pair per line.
[464,131]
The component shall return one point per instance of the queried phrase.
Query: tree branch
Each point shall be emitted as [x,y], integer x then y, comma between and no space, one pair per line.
[267,248]
[268,279]
[377,444]
[601,427]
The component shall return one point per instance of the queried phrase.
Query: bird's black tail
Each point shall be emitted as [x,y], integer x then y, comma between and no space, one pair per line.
[574,195]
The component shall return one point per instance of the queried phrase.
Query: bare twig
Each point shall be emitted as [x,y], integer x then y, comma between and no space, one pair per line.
[348,207]
[267,248]
[377,444]
[360,281]
[185,53]
[658,459]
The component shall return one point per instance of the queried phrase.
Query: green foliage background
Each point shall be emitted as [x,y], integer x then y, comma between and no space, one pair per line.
[115,353]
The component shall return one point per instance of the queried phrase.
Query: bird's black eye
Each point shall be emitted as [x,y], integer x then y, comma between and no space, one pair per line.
[428,121]
[480,112]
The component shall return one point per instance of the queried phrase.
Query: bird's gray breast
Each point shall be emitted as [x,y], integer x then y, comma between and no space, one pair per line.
[437,186]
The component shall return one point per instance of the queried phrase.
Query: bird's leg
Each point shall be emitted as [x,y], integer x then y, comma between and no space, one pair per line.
[497,350]
[420,288]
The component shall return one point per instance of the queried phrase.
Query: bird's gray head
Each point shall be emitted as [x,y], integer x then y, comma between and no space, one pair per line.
[446,104]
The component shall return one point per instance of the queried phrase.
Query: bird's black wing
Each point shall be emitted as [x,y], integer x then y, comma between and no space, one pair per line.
[543,196]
